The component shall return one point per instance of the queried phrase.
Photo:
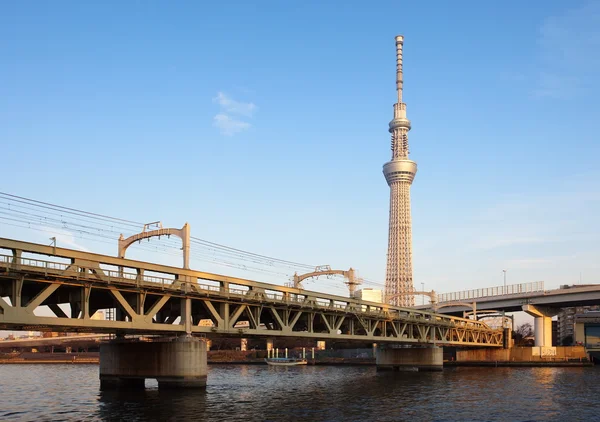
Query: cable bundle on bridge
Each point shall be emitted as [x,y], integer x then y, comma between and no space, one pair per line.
[58,220]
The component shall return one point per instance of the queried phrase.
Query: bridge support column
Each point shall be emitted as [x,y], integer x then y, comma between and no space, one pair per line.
[179,363]
[542,323]
[409,358]
[507,338]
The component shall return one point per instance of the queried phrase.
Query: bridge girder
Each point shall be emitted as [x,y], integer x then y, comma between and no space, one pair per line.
[155,305]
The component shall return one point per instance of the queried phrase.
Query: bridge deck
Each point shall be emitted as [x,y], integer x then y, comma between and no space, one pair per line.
[151,298]
[556,298]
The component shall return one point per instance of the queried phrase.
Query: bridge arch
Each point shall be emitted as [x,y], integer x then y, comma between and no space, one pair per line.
[432,296]
[498,314]
[350,275]
[472,305]
[182,233]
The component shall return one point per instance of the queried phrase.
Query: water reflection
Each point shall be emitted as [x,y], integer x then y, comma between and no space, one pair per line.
[151,404]
[259,392]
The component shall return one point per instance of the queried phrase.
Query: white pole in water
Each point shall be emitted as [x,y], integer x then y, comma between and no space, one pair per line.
[303,353]
[286,352]
[277,353]
[313,353]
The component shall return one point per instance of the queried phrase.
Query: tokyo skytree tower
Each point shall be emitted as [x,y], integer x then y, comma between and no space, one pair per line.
[399,173]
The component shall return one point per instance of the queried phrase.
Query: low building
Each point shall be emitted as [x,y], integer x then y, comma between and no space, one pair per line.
[566,321]
[586,330]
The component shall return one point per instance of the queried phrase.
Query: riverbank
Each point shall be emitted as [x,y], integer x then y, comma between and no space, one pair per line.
[94,359]
[516,357]
[49,358]
[501,364]
[49,362]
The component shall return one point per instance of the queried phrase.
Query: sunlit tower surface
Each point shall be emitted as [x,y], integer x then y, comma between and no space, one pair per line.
[399,173]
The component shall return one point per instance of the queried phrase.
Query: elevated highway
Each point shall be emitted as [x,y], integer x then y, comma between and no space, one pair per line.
[531,298]
[513,302]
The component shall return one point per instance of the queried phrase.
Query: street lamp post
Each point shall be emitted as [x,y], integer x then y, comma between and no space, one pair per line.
[504,271]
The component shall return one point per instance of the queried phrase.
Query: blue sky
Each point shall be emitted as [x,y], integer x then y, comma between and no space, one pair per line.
[265,127]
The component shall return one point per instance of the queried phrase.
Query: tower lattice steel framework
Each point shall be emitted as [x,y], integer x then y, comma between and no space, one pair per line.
[399,173]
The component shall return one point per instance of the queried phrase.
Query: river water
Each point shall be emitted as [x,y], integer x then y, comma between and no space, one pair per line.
[312,393]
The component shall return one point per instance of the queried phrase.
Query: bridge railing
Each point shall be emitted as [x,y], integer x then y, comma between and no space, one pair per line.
[302,298]
[512,289]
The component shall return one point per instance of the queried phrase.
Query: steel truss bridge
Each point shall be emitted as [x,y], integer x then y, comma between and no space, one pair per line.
[158,299]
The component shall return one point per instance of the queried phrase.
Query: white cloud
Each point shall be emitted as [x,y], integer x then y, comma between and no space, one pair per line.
[232,106]
[228,125]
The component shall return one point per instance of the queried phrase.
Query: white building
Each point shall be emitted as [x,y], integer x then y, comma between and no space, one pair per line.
[370,295]
[99,315]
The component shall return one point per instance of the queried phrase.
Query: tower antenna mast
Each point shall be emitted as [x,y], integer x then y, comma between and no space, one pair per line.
[399,173]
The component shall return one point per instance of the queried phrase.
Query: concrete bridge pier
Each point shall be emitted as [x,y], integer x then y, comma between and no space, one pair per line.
[409,358]
[174,363]
[542,323]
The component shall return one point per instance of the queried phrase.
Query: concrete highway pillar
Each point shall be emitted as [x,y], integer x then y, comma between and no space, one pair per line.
[542,323]
[507,338]
[409,358]
[178,363]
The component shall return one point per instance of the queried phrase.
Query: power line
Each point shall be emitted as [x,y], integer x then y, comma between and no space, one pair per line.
[88,225]
[238,253]
[66,209]
[201,241]
[51,225]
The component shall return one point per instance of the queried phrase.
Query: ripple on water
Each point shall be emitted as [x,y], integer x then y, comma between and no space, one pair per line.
[254,392]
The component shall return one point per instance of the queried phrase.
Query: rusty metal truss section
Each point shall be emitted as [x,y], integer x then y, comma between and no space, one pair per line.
[157,299]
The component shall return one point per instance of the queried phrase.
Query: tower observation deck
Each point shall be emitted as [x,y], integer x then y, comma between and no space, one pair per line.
[399,173]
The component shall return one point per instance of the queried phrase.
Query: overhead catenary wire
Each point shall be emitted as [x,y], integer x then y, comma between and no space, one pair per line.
[63,224]
[81,234]
[83,223]
[23,212]
[133,227]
